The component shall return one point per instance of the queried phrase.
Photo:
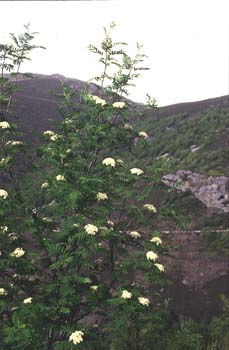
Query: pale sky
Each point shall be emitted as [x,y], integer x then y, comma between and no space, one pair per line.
[186,41]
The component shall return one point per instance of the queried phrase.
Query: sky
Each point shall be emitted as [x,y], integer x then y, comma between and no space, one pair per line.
[186,41]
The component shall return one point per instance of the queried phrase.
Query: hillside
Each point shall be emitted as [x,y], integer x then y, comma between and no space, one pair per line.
[194,135]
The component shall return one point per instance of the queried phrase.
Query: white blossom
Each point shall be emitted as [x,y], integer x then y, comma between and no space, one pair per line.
[160,267]
[135,234]
[4,125]
[136,171]
[91,229]
[126,294]
[17,253]
[76,337]
[45,185]
[28,300]
[144,301]
[94,288]
[3,291]
[150,255]
[156,240]
[150,207]
[3,194]
[60,178]
[109,161]
[143,134]
[101,196]
[118,104]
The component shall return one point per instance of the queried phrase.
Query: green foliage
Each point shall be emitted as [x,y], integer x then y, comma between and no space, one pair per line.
[174,135]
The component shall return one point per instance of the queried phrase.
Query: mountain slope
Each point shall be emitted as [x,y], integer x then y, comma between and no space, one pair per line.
[194,135]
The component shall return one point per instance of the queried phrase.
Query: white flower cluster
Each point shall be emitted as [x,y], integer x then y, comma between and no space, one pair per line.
[55,137]
[156,240]
[4,125]
[3,229]
[91,229]
[136,171]
[135,234]
[94,288]
[52,135]
[109,162]
[127,126]
[126,294]
[3,194]
[144,301]
[118,104]
[76,337]
[60,178]
[150,207]
[101,196]
[17,253]
[28,300]
[3,291]
[14,143]
[143,134]
[98,100]
[45,185]
[48,133]
[160,267]
[150,255]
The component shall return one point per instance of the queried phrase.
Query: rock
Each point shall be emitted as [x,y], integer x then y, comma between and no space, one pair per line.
[210,190]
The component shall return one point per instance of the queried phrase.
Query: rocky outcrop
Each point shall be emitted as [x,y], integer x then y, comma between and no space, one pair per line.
[210,190]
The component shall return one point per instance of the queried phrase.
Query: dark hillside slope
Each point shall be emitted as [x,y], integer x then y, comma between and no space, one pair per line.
[35,104]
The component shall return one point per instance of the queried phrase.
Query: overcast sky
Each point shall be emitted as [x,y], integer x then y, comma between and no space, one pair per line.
[186,41]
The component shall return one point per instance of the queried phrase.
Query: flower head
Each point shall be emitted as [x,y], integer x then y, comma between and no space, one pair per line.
[101,196]
[98,100]
[128,126]
[143,134]
[48,133]
[55,137]
[91,229]
[150,255]
[4,125]
[45,185]
[156,240]
[94,288]
[118,104]
[17,253]
[60,178]
[14,143]
[144,301]
[136,171]
[109,161]
[150,207]
[160,267]
[135,234]
[28,300]
[126,294]
[3,194]
[3,229]
[3,291]
[76,337]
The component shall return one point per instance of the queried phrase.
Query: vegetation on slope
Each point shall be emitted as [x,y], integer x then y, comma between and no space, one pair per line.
[197,142]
